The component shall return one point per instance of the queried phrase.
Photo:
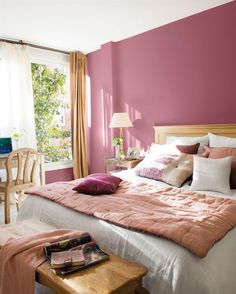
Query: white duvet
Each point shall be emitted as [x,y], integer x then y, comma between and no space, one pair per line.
[171,268]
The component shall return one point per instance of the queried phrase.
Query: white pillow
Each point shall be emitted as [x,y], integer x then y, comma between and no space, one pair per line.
[164,149]
[211,174]
[204,140]
[220,141]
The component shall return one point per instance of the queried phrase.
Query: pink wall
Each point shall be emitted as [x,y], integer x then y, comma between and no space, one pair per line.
[181,73]
[59,175]
[102,102]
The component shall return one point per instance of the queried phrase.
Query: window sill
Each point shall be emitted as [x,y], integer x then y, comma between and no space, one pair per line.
[58,165]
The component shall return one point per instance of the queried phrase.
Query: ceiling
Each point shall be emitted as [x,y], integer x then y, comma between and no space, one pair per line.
[87,24]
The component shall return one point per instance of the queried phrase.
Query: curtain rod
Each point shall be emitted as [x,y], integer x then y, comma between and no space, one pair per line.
[34,46]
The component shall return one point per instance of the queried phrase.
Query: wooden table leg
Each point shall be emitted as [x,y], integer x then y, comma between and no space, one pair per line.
[41,170]
[106,168]
[7,206]
[140,289]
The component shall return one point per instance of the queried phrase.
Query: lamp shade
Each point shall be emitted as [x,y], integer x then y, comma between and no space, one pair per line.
[120,120]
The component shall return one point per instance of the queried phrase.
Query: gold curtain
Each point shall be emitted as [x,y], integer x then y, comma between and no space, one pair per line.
[78,113]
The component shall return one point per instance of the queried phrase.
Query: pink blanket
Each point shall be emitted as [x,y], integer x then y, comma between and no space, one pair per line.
[193,220]
[20,257]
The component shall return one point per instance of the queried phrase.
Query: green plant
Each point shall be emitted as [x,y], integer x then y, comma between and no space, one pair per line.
[116,141]
[49,99]
[16,135]
[121,153]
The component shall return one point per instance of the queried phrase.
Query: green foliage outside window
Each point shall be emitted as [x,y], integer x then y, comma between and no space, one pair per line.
[53,138]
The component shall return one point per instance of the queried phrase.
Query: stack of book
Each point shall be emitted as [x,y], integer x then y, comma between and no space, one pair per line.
[74,254]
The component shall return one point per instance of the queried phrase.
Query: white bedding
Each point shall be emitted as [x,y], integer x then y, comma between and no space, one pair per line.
[172,269]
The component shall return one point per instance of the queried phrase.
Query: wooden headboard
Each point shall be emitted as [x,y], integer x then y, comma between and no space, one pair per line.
[227,130]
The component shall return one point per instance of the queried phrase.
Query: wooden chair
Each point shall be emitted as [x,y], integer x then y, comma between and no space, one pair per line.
[25,161]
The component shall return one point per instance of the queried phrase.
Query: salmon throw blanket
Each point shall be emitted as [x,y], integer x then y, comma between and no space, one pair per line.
[192,220]
[20,257]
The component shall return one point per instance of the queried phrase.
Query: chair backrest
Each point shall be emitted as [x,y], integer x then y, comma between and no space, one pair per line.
[25,161]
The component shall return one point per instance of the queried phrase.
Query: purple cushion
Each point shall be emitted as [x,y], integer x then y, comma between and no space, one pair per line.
[188,149]
[98,184]
[106,178]
[233,175]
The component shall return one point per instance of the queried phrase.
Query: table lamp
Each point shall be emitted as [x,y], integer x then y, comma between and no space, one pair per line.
[120,120]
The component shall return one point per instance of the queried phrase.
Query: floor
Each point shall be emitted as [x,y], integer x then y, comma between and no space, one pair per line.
[39,289]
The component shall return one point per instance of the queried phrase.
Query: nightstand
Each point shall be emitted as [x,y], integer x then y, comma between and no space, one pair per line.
[126,163]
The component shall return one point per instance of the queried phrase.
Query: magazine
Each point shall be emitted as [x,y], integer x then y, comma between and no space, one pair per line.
[92,252]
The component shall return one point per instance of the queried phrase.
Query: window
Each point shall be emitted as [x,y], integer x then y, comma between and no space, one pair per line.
[52,109]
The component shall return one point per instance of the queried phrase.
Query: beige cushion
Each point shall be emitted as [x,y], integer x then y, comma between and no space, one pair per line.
[179,171]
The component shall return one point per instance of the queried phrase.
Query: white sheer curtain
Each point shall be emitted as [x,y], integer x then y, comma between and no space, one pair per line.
[16,94]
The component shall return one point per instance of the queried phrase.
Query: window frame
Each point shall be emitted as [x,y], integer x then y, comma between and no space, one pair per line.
[50,58]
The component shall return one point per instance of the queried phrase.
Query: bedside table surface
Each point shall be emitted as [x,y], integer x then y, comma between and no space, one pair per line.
[127,163]
[115,160]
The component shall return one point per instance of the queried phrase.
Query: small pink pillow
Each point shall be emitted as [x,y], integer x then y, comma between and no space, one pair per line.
[98,184]
[188,149]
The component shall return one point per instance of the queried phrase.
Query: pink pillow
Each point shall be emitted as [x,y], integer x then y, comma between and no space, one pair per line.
[220,152]
[98,184]
[188,149]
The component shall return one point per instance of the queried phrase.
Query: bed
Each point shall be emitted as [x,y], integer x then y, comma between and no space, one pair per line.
[172,269]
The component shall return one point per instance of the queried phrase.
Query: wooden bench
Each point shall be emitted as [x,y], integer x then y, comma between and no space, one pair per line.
[116,275]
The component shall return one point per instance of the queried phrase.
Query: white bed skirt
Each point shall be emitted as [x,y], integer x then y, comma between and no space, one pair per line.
[172,269]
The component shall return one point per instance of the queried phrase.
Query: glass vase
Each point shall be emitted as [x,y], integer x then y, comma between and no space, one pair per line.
[117,151]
